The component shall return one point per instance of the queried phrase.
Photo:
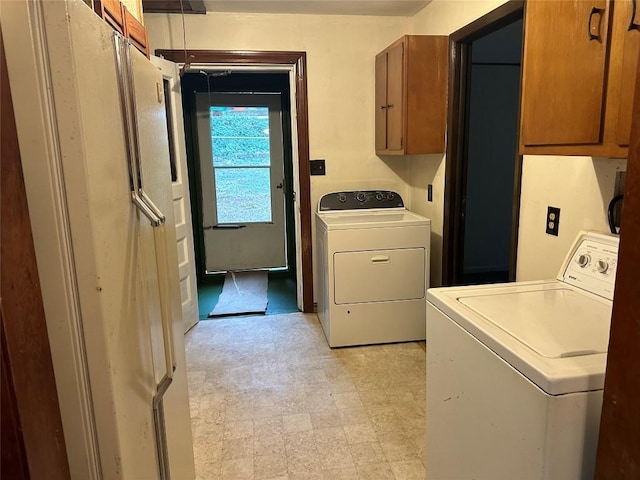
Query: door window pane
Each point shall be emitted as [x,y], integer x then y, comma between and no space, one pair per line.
[243,195]
[241,162]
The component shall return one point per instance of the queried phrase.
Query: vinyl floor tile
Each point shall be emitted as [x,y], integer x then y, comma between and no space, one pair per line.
[271,401]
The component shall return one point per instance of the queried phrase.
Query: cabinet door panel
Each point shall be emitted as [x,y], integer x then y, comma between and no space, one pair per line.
[564,71]
[381,101]
[395,97]
[631,50]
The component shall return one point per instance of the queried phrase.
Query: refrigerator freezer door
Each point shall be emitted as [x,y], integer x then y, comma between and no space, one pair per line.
[111,258]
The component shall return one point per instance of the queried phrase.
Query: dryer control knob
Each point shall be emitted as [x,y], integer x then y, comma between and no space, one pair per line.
[379,196]
[361,196]
[602,266]
[583,260]
[390,196]
[342,198]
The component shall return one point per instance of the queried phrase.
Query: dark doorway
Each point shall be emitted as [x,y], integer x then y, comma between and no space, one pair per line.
[266,59]
[482,186]
[203,86]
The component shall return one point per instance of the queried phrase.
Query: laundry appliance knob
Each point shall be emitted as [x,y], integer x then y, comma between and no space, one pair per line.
[583,260]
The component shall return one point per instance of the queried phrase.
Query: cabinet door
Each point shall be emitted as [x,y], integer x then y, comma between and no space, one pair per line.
[564,71]
[381,101]
[631,49]
[395,90]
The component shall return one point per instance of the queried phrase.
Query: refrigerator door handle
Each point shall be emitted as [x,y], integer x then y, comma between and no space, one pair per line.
[160,241]
[151,211]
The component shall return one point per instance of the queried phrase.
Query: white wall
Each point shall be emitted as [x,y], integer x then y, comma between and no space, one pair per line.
[340,74]
[580,186]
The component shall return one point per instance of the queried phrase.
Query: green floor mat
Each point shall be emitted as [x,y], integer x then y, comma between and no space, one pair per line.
[281,293]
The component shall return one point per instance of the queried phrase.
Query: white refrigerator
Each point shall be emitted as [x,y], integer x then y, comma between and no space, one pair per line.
[93,135]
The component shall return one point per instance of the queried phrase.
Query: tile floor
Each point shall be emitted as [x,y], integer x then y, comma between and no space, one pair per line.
[270,400]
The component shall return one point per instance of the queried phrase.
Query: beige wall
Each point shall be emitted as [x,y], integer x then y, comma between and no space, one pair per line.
[580,186]
[340,63]
[134,7]
[340,56]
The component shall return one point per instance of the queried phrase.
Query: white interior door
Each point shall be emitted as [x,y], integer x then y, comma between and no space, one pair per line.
[242,172]
[180,190]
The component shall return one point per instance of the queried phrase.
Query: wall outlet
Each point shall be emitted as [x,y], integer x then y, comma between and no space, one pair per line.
[317,167]
[553,220]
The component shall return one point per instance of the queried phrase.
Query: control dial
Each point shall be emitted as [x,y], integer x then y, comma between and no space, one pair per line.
[602,266]
[342,198]
[583,260]
[361,196]
[379,196]
[390,196]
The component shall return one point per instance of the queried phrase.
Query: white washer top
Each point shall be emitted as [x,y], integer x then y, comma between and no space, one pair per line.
[554,332]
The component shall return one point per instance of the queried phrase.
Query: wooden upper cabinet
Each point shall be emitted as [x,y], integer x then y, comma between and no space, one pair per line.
[122,20]
[111,12]
[381,101]
[577,78]
[411,96]
[136,32]
[626,42]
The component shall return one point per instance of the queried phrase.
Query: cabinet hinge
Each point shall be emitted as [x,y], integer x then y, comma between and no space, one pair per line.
[401,142]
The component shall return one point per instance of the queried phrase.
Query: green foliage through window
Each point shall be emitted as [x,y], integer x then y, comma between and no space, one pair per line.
[241,162]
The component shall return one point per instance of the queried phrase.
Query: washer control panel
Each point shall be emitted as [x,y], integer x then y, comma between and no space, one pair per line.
[360,200]
[592,263]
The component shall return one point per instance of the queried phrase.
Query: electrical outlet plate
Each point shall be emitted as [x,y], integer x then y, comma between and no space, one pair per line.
[553,220]
[317,167]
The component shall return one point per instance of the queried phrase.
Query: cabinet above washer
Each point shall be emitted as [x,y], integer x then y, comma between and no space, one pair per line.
[579,69]
[411,96]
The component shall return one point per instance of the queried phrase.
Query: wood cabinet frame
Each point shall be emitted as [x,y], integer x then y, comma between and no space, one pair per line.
[411,96]
[616,82]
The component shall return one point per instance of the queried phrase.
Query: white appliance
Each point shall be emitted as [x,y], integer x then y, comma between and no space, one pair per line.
[373,268]
[515,372]
[108,242]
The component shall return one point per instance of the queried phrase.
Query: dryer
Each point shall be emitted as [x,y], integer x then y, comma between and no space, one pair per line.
[515,372]
[372,259]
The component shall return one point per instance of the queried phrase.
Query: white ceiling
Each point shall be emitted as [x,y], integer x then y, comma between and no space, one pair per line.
[322,7]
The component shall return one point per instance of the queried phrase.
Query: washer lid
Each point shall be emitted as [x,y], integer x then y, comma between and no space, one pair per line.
[553,323]
[372,219]
[554,334]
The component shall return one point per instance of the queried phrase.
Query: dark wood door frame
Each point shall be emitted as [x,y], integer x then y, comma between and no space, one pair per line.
[299,59]
[618,454]
[33,444]
[457,131]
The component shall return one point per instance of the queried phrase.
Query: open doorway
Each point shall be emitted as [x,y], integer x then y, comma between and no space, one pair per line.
[482,186]
[294,64]
[238,125]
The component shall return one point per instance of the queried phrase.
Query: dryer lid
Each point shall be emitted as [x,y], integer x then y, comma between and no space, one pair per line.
[372,219]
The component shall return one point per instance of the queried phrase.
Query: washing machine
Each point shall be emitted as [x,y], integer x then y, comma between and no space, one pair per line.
[515,372]
[372,259]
